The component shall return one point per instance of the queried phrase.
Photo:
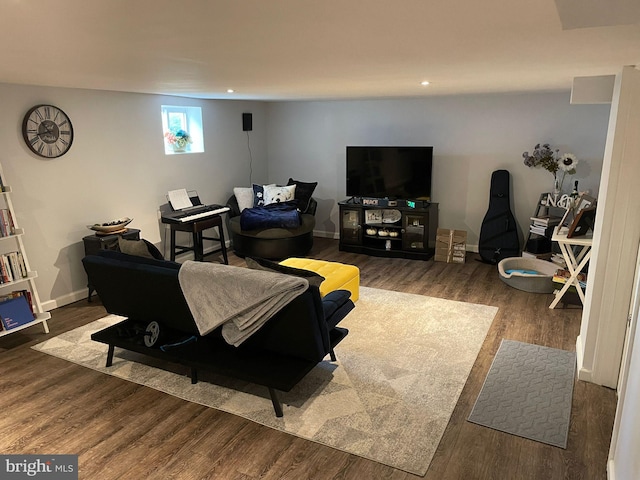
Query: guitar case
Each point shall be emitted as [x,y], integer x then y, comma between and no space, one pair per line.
[499,231]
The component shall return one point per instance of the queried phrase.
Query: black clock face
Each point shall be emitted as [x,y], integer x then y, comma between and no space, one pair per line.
[47,131]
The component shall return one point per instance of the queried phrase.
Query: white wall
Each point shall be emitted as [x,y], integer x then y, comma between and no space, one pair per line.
[614,295]
[624,462]
[616,238]
[116,167]
[472,136]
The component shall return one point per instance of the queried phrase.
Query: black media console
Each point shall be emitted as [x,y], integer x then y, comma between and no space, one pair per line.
[403,229]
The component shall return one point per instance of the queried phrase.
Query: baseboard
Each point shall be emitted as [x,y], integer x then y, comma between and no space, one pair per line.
[584,374]
[65,299]
[205,251]
[216,248]
[611,470]
[336,236]
[323,234]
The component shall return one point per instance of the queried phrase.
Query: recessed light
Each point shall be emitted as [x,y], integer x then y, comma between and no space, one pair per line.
[424,84]
[230,90]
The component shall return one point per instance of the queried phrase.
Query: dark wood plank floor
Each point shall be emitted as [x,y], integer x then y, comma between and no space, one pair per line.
[122,430]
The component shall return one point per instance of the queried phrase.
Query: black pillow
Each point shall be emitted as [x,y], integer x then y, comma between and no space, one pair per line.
[304,191]
[313,278]
[258,195]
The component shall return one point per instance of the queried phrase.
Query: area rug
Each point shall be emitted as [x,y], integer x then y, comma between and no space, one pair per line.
[388,398]
[528,393]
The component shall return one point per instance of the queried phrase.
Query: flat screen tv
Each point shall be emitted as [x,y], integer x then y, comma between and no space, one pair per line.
[389,172]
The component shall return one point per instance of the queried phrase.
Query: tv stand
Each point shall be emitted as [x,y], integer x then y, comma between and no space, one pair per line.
[383,231]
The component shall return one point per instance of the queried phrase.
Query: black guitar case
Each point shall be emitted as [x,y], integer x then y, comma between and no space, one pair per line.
[499,231]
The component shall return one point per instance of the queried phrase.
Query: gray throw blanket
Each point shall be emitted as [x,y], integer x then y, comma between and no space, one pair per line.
[239,299]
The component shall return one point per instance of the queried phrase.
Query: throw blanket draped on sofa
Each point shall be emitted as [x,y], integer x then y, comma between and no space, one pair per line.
[274,215]
[239,299]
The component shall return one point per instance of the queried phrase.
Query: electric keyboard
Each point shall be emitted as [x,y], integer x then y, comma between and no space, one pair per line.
[197,213]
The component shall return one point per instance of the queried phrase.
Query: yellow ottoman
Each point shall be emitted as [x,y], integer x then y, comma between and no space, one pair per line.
[337,276]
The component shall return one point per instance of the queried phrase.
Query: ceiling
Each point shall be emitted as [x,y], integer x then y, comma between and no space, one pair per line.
[315,49]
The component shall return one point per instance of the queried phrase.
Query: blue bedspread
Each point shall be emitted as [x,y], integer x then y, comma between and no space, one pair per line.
[275,215]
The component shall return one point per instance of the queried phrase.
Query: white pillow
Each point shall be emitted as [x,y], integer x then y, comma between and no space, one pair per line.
[244,195]
[273,194]
[258,194]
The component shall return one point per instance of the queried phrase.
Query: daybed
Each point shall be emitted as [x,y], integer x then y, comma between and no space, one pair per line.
[278,241]
[277,356]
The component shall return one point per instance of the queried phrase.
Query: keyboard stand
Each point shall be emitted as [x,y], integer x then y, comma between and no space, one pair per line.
[196,227]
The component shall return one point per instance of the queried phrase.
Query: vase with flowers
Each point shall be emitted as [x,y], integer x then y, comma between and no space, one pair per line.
[178,139]
[551,160]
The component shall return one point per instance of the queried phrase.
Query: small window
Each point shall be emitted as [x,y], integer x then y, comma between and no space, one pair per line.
[182,129]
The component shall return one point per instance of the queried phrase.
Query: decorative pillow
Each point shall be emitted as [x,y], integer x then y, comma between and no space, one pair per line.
[134,247]
[244,195]
[262,264]
[258,194]
[304,191]
[275,194]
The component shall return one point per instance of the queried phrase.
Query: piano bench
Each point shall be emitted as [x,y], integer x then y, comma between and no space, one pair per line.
[196,228]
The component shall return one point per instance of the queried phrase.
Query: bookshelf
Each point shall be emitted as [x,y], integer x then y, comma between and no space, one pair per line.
[16,277]
[545,218]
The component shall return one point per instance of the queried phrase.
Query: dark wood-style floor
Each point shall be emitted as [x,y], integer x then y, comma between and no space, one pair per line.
[123,430]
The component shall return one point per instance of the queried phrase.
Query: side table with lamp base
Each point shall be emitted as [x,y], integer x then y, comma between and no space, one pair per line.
[106,238]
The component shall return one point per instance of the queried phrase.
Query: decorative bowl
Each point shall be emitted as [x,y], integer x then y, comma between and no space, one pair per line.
[112,226]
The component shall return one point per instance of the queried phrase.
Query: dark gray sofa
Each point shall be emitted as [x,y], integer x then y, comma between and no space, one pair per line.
[278,356]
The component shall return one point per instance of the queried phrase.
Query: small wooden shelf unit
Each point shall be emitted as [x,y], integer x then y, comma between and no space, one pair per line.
[10,242]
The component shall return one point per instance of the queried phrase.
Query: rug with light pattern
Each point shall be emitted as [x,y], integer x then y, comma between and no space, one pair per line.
[388,397]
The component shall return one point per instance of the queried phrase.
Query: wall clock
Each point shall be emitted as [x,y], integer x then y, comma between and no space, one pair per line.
[47,131]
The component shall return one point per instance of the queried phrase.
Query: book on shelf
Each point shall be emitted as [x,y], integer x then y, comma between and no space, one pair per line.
[19,293]
[5,268]
[541,230]
[546,220]
[7,226]
[22,265]
[12,267]
[15,312]
[558,259]
[13,263]
[561,276]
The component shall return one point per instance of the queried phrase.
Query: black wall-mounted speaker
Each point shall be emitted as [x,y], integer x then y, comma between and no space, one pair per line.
[247,122]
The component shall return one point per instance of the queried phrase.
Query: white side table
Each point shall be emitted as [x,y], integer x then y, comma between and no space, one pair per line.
[575,263]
